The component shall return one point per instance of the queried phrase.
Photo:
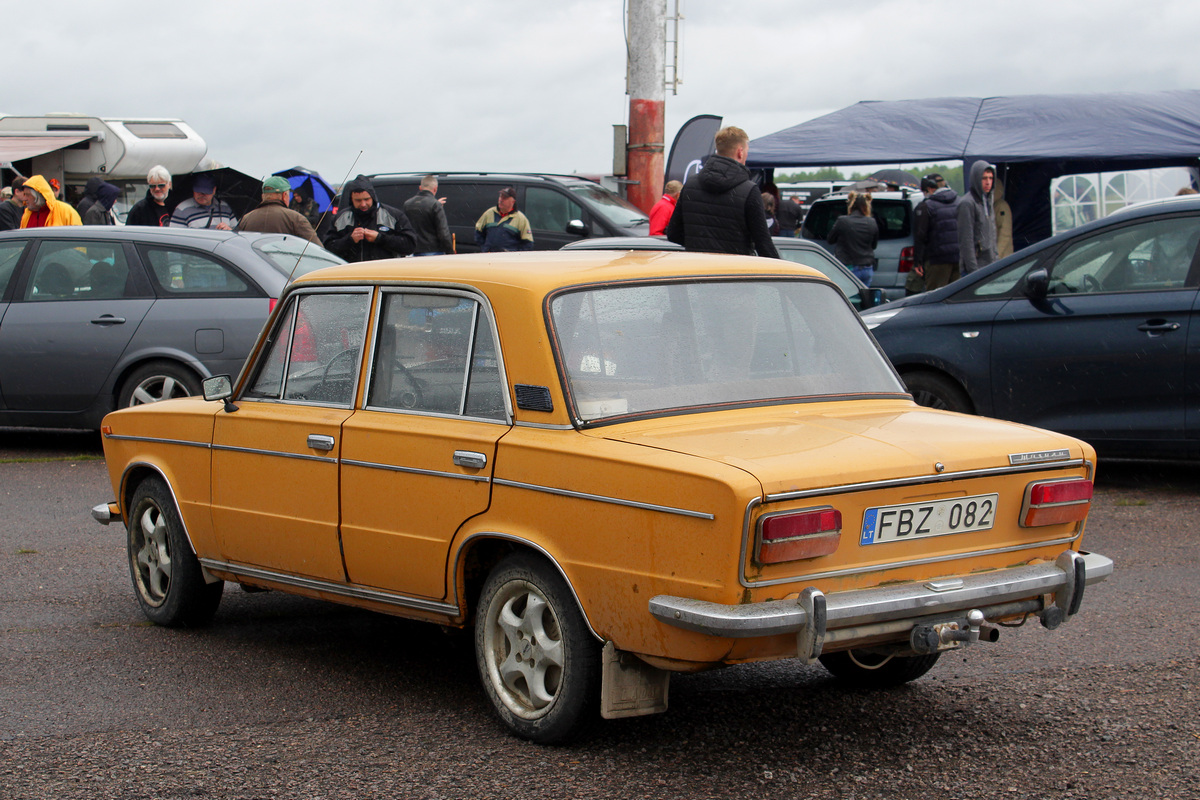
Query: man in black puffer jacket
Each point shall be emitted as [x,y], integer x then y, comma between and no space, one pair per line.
[369,230]
[721,210]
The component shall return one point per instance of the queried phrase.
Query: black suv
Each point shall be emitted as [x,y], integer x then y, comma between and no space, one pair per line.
[560,208]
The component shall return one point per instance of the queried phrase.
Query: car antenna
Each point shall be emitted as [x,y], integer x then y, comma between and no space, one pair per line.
[320,220]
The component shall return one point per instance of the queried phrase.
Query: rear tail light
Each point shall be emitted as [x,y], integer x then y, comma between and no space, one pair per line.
[906,260]
[794,535]
[1056,502]
[274,301]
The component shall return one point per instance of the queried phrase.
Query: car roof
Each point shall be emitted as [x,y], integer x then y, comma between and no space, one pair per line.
[1159,204]
[902,194]
[541,272]
[514,177]
[208,239]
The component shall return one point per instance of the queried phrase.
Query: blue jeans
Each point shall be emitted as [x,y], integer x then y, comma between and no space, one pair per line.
[431,253]
[863,273]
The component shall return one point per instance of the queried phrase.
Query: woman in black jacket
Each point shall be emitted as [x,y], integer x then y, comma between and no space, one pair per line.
[855,235]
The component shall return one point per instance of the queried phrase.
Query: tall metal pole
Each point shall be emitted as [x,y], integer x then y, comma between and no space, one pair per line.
[646,66]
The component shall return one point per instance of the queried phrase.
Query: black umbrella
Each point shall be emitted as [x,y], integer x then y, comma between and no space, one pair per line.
[897,178]
[242,192]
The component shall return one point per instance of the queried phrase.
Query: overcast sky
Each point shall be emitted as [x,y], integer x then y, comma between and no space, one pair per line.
[536,85]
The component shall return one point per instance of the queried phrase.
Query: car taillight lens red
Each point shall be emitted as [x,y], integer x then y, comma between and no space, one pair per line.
[804,534]
[274,301]
[1056,502]
[906,260]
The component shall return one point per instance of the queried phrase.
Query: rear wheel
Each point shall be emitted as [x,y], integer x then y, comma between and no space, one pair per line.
[166,575]
[865,669]
[539,663]
[937,391]
[158,380]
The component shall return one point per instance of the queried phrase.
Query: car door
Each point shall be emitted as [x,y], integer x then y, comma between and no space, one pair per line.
[417,461]
[1103,355]
[275,457]
[73,313]
[550,211]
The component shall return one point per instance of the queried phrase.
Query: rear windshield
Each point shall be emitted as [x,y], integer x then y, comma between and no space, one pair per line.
[698,345]
[894,218]
[294,257]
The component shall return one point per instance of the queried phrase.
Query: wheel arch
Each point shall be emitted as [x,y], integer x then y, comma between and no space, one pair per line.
[480,552]
[177,358]
[133,476]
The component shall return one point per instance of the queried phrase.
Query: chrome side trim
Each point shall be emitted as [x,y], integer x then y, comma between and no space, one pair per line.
[603,499]
[276,453]
[413,470]
[546,426]
[844,610]
[341,589]
[156,440]
[920,479]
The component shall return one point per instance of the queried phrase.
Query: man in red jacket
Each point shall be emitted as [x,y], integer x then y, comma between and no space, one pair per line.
[660,212]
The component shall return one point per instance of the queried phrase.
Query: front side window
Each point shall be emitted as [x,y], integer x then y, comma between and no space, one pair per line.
[79,270]
[436,354]
[549,210]
[1152,255]
[628,350]
[314,353]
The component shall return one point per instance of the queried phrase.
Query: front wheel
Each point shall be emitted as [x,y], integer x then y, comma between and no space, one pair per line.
[937,391]
[158,380]
[539,663]
[864,669]
[166,574]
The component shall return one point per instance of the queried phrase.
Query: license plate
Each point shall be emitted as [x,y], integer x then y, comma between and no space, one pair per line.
[933,518]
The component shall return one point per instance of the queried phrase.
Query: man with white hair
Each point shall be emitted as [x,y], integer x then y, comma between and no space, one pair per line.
[153,209]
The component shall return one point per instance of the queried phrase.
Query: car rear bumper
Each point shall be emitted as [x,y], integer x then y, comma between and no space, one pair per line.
[106,513]
[1054,591]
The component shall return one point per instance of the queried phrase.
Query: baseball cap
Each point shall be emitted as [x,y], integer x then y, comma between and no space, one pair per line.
[204,184]
[276,184]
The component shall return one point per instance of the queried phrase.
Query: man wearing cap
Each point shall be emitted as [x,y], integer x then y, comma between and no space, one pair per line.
[153,209]
[203,210]
[502,227]
[368,230]
[42,210]
[273,214]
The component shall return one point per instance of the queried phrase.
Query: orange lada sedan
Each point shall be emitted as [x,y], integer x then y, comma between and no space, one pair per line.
[611,466]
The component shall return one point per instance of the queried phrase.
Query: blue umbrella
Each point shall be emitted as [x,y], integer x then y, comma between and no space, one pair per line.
[311,184]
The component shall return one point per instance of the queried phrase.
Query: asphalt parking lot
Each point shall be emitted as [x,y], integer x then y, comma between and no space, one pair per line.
[290,698]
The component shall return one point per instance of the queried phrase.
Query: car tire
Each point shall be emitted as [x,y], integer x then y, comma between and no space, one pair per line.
[157,380]
[863,669]
[937,391]
[539,662]
[167,579]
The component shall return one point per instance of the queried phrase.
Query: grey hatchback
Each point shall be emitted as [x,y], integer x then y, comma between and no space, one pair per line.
[95,318]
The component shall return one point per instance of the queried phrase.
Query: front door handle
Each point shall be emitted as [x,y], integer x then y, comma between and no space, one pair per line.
[1153,326]
[470,459]
[108,319]
[319,441]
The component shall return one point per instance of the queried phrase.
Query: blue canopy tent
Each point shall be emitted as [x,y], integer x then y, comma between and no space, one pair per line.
[1031,139]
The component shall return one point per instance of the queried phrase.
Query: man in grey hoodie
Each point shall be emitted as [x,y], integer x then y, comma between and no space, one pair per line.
[977,220]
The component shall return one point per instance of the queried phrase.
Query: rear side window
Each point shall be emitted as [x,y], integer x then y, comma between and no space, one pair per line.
[80,270]
[10,254]
[189,273]
[466,202]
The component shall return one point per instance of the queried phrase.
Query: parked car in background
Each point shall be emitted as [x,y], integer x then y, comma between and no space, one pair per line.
[798,251]
[894,254]
[560,208]
[95,318]
[1092,333]
[611,466]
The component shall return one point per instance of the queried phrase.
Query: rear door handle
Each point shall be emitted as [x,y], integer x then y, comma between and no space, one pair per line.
[108,319]
[1153,326]
[319,441]
[470,459]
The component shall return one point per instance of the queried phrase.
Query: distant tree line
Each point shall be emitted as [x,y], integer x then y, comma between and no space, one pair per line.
[953,175]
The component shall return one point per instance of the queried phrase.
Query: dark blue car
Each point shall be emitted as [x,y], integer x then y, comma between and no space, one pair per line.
[1089,333]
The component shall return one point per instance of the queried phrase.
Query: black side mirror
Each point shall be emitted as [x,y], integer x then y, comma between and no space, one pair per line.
[871,298]
[1037,283]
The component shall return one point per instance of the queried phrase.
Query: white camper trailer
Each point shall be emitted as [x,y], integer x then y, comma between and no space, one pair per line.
[74,148]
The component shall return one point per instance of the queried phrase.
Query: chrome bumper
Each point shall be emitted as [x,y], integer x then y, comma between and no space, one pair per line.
[106,513]
[816,618]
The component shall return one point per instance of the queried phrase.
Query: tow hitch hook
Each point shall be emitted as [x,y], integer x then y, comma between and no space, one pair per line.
[939,636]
